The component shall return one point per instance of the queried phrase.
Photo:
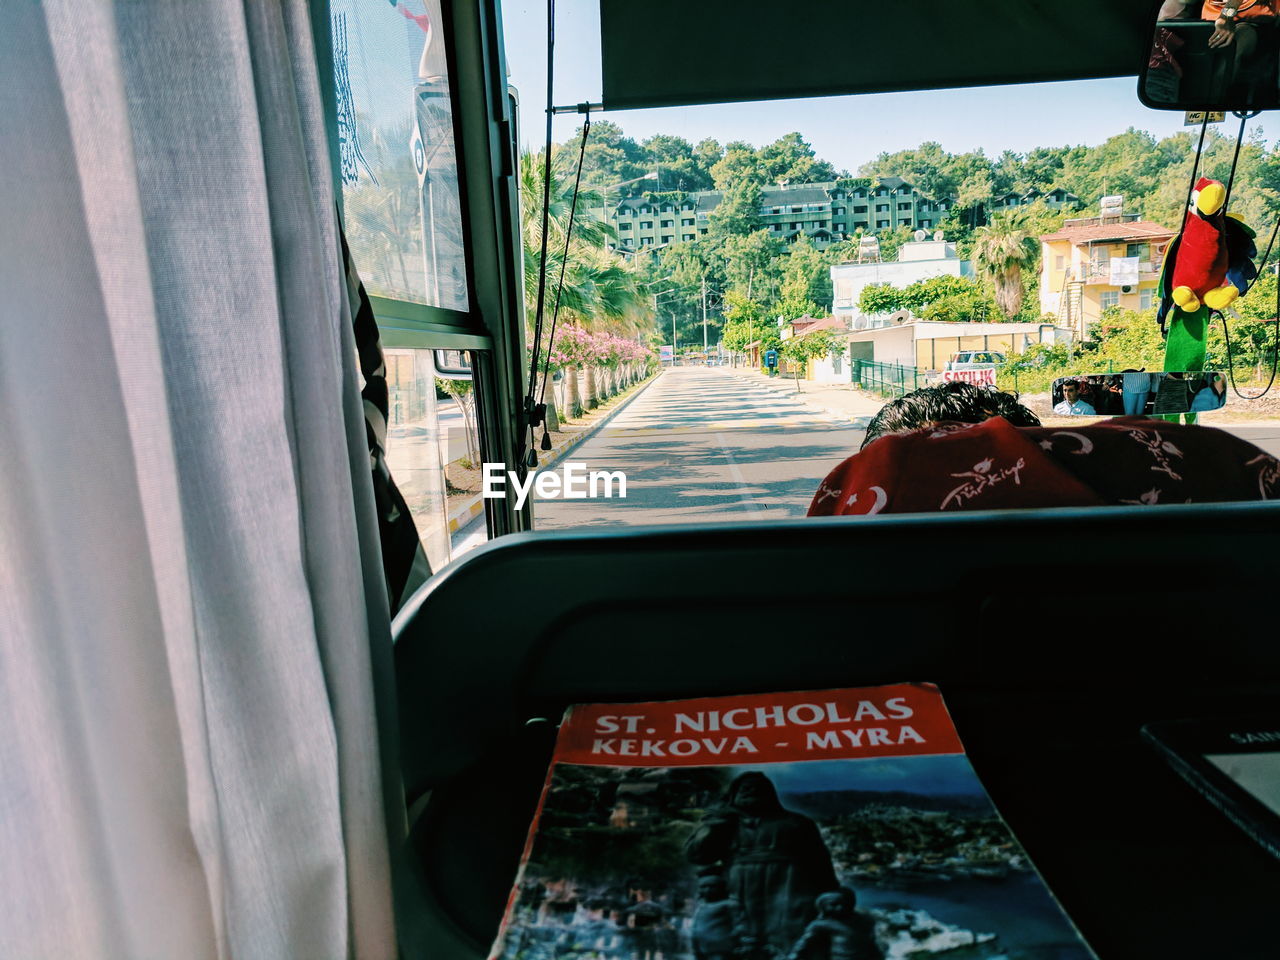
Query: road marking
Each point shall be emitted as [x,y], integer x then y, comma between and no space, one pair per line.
[726,425]
[736,472]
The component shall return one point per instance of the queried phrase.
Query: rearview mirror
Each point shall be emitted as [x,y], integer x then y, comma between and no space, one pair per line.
[1136,393]
[1198,63]
[453,364]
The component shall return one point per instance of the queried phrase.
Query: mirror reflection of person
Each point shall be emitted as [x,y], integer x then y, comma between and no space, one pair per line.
[1136,388]
[1212,395]
[1072,405]
[1234,22]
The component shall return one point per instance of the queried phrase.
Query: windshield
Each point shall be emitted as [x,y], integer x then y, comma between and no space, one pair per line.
[750,284]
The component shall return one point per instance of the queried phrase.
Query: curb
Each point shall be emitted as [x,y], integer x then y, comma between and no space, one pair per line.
[464,514]
[468,511]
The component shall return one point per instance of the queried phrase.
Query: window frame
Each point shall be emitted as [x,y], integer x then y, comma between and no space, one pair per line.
[484,111]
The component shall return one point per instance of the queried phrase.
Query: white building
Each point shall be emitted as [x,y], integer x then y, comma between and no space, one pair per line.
[928,344]
[917,260]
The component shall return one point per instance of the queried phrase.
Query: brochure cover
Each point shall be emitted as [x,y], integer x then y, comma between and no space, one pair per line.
[1234,762]
[815,825]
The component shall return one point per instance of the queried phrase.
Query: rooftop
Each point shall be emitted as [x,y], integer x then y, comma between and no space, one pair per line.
[800,193]
[808,324]
[1094,230]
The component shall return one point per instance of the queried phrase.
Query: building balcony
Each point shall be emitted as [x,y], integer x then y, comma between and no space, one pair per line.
[1100,272]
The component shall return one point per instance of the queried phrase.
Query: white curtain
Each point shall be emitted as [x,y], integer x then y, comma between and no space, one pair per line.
[192,617]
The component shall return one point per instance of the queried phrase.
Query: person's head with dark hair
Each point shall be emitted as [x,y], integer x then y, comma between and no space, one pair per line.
[950,402]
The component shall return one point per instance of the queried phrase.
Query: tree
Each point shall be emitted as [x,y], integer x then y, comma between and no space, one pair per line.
[751,262]
[1253,335]
[745,321]
[599,290]
[880,298]
[464,395]
[806,276]
[919,295]
[924,167]
[678,168]
[706,155]
[972,307]
[1128,163]
[1001,251]
[975,192]
[798,351]
[739,211]
[790,158]
[738,164]
[611,155]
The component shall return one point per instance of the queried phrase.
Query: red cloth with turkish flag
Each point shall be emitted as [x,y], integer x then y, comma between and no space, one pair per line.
[994,465]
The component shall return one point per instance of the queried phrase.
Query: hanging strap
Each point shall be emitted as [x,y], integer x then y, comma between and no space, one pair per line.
[403,560]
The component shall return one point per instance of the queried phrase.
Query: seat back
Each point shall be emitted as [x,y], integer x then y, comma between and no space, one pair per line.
[1054,635]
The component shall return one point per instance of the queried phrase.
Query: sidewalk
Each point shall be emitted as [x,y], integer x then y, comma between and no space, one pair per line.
[841,400]
[465,505]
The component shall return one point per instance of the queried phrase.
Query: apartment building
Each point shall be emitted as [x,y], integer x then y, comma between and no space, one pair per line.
[1098,262]
[1055,199]
[823,212]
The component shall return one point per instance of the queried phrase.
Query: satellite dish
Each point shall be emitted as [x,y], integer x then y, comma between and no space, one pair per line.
[937,234]
[919,236]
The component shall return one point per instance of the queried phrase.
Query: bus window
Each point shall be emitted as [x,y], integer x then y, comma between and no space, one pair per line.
[398,157]
[399,163]
[418,444]
[781,330]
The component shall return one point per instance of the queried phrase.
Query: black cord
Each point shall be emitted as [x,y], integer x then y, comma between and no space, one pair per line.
[564,259]
[1226,332]
[1244,117]
[1195,168]
[1267,256]
[546,212]
[1275,338]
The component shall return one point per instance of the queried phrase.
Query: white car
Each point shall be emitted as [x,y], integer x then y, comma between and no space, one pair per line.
[974,360]
[974,366]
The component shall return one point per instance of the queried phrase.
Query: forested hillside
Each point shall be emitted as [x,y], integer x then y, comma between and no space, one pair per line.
[750,278]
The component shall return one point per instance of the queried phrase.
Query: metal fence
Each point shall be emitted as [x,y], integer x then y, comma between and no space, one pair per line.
[886,379]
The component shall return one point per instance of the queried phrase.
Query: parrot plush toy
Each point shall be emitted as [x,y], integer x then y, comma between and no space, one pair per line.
[1207,267]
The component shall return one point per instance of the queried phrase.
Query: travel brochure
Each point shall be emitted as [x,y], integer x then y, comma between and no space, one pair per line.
[820,825]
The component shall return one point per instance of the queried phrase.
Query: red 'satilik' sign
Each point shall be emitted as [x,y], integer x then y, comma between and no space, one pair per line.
[979,378]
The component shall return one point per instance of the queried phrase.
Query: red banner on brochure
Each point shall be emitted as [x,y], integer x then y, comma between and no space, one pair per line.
[890,721]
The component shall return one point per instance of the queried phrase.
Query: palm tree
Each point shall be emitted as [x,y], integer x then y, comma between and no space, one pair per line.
[1001,251]
[599,290]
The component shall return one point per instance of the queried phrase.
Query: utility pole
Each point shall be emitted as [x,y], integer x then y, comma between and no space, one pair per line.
[673,328]
[704,313]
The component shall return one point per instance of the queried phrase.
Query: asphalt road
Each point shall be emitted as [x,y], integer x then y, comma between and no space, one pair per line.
[701,445]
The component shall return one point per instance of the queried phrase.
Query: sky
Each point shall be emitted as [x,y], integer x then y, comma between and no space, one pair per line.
[938,775]
[847,131]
